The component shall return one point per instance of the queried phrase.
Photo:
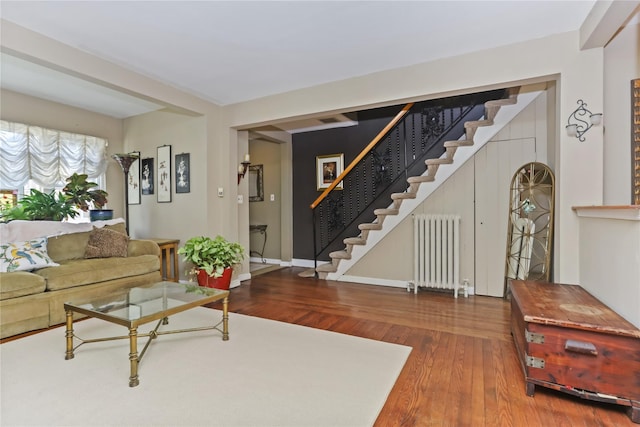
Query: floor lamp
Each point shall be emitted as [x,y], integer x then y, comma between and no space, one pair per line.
[125,161]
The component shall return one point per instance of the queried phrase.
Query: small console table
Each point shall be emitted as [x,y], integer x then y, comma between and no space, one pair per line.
[168,258]
[262,229]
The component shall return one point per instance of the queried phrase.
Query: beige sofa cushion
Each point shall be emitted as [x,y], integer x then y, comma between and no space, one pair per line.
[79,272]
[20,283]
[74,245]
[106,243]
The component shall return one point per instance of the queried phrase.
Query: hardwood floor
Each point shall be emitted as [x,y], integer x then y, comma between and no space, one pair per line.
[463,369]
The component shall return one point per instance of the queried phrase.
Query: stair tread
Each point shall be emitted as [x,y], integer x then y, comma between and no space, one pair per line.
[326,268]
[459,143]
[386,211]
[477,123]
[501,102]
[403,196]
[340,255]
[440,161]
[421,178]
[354,241]
[370,226]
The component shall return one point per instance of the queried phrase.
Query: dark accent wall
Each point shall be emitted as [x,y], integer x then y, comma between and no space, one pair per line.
[306,146]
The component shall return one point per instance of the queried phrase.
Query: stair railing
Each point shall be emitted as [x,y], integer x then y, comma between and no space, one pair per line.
[417,132]
[394,122]
[363,153]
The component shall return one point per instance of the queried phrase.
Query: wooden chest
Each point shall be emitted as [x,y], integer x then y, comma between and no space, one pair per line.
[567,340]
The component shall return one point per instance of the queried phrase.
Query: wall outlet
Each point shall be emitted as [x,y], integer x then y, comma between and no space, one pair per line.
[240,198]
[272,197]
[220,192]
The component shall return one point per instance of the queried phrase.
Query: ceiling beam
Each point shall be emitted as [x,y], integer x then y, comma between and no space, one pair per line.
[604,21]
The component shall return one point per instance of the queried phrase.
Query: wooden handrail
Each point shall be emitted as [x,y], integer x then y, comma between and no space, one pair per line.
[363,153]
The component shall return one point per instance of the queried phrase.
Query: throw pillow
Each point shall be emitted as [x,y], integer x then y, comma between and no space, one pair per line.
[106,243]
[25,256]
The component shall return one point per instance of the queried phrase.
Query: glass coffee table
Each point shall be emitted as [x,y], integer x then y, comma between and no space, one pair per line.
[138,306]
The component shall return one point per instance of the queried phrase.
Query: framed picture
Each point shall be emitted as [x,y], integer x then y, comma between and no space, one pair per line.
[147,176]
[328,168]
[133,181]
[256,188]
[183,173]
[164,174]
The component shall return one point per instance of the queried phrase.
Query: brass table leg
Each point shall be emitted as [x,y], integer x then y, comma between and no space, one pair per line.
[225,319]
[69,335]
[133,357]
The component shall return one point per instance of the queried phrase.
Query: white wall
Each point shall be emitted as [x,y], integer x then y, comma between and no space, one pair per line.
[621,65]
[613,279]
[186,215]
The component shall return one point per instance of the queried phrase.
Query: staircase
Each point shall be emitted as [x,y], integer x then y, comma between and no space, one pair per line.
[476,134]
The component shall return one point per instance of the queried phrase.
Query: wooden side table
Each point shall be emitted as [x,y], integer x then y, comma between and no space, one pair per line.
[168,257]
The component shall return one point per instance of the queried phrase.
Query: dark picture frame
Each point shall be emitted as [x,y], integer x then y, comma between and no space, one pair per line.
[133,181]
[148,175]
[183,173]
[328,168]
[164,174]
[256,186]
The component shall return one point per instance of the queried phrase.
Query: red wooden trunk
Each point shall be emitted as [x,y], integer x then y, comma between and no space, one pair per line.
[569,341]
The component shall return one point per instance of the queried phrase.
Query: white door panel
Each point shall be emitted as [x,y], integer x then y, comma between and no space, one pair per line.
[495,164]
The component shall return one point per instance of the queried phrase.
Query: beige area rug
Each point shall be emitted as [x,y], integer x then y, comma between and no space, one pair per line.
[268,374]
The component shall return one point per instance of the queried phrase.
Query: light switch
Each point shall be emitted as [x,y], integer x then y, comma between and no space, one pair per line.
[240,198]
[272,197]
[220,192]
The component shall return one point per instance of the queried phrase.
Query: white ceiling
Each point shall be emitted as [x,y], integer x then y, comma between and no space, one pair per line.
[233,51]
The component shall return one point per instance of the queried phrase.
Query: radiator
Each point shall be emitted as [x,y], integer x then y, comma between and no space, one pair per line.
[437,253]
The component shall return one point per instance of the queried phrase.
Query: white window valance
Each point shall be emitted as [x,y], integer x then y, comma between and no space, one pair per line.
[47,156]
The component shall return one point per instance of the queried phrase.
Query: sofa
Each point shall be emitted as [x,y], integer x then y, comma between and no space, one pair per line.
[45,264]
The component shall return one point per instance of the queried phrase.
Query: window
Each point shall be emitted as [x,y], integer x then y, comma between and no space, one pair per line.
[35,157]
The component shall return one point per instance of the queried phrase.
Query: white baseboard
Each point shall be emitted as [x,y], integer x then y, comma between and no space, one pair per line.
[308,263]
[373,281]
[272,261]
[241,278]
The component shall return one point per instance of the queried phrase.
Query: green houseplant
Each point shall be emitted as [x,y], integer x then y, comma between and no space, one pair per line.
[77,194]
[213,259]
[82,193]
[39,206]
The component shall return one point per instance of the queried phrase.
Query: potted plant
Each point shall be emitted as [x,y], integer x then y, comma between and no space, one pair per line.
[213,260]
[39,206]
[83,194]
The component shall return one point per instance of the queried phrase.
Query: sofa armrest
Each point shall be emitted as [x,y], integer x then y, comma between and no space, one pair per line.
[143,247]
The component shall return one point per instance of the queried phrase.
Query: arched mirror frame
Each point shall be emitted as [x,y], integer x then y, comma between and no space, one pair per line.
[530,224]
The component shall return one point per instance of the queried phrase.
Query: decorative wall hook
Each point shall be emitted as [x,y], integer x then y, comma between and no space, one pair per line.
[577,124]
